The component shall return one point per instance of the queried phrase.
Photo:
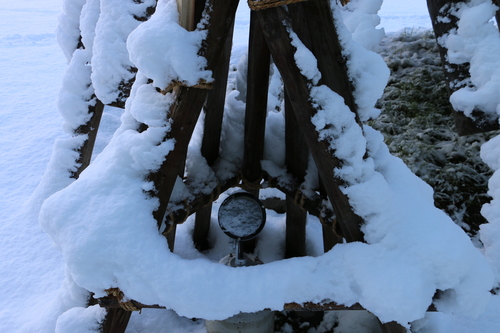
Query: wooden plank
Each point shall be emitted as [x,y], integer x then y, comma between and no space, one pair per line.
[256,102]
[297,158]
[456,74]
[315,24]
[497,14]
[111,303]
[186,13]
[297,87]
[214,111]
[330,228]
[189,101]
[255,113]
[312,21]
[90,128]
[116,320]
[312,203]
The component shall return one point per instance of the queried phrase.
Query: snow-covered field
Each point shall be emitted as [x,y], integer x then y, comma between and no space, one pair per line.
[31,270]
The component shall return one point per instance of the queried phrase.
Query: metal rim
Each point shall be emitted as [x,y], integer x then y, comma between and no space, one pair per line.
[242,196]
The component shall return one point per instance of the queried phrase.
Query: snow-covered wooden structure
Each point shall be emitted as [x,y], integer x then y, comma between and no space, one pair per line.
[269,39]
[321,121]
[445,16]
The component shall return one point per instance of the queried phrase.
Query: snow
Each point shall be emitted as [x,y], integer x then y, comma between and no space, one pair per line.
[87,320]
[175,58]
[241,217]
[476,41]
[40,294]
[111,65]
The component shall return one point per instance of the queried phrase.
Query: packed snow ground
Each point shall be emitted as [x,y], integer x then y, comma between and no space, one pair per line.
[31,271]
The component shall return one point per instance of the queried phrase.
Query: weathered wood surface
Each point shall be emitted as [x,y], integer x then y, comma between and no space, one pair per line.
[256,102]
[456,75]
[331,231]
[296,158]
[297,86]
[189,101]
[116,320]
[90,128]
[186,13]
[312,203]
[312,21]
[214,112]
[324,43]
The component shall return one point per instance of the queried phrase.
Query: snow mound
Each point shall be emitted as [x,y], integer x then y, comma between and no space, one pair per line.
[104,226]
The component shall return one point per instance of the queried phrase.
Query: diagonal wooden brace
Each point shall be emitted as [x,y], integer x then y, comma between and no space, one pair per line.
[189,102]
[297,86]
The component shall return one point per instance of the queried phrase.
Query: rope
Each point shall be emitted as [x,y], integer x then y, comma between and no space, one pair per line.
[176,84]
[257,5]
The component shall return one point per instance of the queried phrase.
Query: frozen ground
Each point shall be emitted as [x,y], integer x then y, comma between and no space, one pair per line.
[31,67]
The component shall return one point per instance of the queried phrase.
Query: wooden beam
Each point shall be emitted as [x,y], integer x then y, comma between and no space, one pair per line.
[456,75]
[111,303]
[256,102]
[189,101]
[297,86]
[312,203]
[90,128]
[214,112]
[331,231]
[297,158]
[312,21]
[116,320]
[186,13]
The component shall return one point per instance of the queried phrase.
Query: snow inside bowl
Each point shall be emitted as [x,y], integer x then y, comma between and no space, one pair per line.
[242,216]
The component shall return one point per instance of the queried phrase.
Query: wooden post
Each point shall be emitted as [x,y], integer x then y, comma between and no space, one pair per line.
[116,320]
[255,112]
[90,128]
[183,114]
[186,13]
[312,21]
[330,228]
[189,101]
[297,87]
[214,112]
[256,102]
[297,157]
[456,75]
